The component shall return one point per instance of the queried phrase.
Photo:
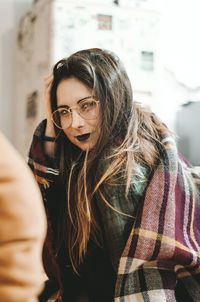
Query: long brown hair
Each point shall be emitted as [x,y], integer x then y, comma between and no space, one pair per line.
[129,136]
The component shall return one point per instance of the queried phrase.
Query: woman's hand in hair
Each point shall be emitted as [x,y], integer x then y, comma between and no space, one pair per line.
[47,103]
[49,145]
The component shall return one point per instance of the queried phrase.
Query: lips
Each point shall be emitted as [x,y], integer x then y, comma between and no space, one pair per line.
[83,137]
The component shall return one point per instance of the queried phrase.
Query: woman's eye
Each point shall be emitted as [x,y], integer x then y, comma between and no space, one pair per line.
[84,106]
[87,105]
[64,112]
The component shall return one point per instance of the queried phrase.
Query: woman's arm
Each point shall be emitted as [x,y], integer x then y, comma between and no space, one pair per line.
[43,165]
[49,144]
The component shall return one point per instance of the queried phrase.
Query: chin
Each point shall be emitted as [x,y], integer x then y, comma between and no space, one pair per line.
[84,146]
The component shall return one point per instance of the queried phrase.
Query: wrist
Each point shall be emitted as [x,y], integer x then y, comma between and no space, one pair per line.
[47,138]
[49,131]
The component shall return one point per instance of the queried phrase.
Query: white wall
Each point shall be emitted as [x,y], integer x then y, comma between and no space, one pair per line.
[10,13]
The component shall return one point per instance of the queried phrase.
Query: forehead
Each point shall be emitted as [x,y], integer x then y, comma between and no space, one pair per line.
[70,91]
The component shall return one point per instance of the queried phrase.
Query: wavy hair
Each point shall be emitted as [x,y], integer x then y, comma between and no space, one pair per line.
[129,136]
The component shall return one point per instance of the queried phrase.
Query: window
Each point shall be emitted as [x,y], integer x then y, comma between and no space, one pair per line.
[147,60]
[104,22]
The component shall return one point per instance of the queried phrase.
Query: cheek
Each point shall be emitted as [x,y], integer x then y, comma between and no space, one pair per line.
[95,126]
[98,122]
[92,125]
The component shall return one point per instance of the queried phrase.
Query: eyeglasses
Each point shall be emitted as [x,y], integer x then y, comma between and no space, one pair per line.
[86,108]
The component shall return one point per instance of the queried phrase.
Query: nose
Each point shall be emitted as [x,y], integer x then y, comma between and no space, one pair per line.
[77,120]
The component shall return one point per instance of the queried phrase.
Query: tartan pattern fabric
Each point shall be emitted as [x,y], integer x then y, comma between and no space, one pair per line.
[164,243]
[45,168]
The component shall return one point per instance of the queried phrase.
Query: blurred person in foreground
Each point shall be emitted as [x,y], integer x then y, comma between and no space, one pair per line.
[122,205]
[22,229]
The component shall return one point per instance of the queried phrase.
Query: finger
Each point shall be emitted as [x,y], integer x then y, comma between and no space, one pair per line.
[48,77]
[48,80]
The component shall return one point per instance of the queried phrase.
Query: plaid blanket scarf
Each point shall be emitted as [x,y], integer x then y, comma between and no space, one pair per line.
[164,245]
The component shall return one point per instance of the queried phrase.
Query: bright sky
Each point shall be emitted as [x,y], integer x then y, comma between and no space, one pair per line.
[181,40]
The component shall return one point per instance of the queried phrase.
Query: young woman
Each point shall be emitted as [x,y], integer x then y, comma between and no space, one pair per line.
[122,206]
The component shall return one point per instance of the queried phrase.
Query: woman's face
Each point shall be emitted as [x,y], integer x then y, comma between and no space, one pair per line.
[83,133]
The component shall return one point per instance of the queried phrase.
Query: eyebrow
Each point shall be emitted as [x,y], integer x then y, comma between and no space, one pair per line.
[85,98]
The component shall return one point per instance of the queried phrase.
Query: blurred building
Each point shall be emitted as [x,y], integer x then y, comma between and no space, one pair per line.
[54,29]
[187,129]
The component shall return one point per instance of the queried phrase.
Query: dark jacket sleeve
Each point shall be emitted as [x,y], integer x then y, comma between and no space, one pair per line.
[46,172]
[45,168]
